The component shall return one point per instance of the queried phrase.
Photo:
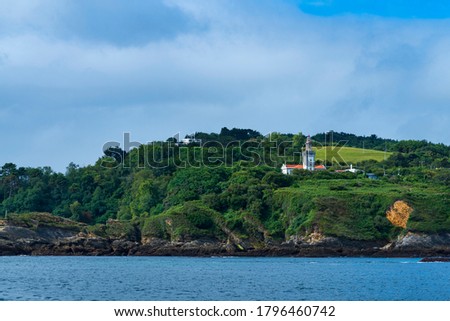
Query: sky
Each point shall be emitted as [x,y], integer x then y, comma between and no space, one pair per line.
[76,74]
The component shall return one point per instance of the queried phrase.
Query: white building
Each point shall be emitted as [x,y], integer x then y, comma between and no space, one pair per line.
[308,158]
[349,170]
[287,169]
[190,140]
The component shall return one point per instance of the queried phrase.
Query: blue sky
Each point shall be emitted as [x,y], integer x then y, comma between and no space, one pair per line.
[76,74]
[406,9]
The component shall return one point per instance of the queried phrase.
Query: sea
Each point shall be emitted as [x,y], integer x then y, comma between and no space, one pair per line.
[24,278]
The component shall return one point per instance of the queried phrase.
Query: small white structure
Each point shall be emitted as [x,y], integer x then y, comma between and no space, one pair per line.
[349,170]
[190,140]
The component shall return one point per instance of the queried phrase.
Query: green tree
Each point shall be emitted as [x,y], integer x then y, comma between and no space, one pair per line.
[189,184]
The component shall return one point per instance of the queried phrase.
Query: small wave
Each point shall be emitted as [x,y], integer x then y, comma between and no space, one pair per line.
[223,257]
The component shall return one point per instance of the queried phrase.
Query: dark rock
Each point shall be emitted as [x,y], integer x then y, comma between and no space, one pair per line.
[45,240]
[435,259]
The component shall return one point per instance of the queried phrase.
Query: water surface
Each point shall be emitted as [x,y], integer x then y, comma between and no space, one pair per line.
[187,278]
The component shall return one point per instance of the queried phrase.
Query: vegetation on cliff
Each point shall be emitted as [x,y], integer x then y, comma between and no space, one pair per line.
[360,209]
[231,189]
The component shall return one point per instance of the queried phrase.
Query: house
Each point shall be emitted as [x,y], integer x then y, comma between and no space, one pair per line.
[287,169]
[189,140]
[308,158]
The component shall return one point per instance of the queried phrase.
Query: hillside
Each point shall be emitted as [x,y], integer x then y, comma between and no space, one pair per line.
[359,209]
[350,155]
[235,196]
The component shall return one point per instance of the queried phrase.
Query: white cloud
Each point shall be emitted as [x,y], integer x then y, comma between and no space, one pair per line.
[254,64]
[32,16]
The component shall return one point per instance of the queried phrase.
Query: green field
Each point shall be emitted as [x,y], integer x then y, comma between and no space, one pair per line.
[349,154]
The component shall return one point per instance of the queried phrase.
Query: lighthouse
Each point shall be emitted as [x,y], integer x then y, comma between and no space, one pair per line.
[309,156]
[309,161]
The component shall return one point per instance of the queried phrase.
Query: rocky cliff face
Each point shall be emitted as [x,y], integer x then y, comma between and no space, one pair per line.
[47,235]
[414,244]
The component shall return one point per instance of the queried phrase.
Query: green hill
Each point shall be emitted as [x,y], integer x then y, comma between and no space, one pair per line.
[350,154]
[233,190]
[356,209]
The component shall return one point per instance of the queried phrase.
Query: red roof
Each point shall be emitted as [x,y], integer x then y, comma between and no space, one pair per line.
[295,166]
[301,167]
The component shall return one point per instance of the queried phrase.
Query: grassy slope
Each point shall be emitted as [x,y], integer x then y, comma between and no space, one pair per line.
[350,154]
[357,209]
[353,209]
[192,220]
[35,220]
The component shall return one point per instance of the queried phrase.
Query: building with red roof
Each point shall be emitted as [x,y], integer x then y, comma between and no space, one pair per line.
[287,169]
[308,158]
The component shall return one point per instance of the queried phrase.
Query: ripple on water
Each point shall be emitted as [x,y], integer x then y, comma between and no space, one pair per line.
[77,279]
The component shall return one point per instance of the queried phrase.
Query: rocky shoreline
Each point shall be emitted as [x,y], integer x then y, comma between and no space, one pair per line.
[41,240]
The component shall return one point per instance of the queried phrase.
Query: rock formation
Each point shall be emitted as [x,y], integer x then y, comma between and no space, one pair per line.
[44,234]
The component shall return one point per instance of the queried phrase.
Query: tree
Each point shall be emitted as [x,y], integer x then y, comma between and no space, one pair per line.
[75,210]
[189,184]
[9,180]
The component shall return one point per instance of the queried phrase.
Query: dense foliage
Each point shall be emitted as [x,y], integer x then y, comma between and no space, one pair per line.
[232,186]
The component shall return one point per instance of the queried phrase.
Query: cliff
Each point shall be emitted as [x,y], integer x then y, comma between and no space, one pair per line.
[44,234]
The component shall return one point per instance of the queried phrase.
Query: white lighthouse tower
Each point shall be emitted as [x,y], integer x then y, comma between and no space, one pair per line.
[309,156]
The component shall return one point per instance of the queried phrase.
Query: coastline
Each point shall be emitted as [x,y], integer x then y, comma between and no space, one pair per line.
[84,245]
[46,235]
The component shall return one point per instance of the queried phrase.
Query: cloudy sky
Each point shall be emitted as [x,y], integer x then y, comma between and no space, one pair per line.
[75,74]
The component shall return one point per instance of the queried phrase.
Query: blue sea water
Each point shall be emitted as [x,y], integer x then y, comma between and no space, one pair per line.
[187,278]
